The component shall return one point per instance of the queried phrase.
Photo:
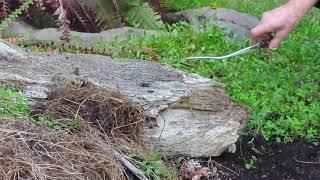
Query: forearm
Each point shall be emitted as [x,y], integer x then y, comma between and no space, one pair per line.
[302,7]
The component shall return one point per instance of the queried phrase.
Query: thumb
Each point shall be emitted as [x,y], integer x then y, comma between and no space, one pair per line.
[278,38]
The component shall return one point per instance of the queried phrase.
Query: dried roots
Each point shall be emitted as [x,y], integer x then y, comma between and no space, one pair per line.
[107,110]
[30,152]
[85,151]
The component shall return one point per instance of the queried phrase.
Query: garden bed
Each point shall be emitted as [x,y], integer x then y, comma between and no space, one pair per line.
[297,160]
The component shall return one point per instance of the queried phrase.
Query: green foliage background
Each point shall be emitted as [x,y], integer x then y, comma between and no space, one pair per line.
[282,88]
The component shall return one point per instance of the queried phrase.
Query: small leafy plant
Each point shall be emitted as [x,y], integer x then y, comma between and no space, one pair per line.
[57,124]
[251,163]
[12,103]
[153,166]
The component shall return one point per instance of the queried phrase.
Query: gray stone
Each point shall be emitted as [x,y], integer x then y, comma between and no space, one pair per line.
[237,24]
[20,28]
[191,115]
[17,29]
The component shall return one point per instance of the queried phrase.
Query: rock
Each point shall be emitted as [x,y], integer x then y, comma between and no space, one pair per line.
[191,115]
[21,28]
[111,35]
[17,29]
[238,24]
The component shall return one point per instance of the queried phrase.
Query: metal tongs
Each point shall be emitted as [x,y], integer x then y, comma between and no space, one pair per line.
[237,53]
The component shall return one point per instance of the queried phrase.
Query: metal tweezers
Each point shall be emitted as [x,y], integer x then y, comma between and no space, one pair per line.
[242,51]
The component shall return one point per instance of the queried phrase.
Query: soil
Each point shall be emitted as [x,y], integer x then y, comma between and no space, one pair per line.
[294,161]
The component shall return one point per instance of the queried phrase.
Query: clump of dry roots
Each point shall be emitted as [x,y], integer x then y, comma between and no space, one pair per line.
[31,152]
[107,110]
[28,151]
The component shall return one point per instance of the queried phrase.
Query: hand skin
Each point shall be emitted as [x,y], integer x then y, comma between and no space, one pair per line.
[280,22]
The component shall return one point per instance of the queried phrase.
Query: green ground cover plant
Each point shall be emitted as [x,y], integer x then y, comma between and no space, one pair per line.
[282,87]
[246,6]
[12,103]
[153,165]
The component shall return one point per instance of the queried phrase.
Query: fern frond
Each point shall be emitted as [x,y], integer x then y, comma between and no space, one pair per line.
[63,22]
[143,16]
[117,13]
[9,19]
[4,9]
[81,16]
[155,4]
[103,11]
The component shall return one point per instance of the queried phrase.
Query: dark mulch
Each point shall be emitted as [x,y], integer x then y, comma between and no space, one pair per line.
[294,161]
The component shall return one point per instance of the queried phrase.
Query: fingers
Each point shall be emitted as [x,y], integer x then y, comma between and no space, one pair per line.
[260,33]
[278,38]
[263,37]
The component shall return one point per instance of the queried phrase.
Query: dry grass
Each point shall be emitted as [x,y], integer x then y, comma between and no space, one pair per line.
[106,118]
[31,152]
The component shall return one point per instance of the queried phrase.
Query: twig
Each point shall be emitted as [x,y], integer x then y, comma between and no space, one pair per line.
[136,171]
[123,159]
[17,132]
[305,162]
[104,132]
[188,65]
[224,167]
[138,162]
[164,124]
[77,113]
[126,125]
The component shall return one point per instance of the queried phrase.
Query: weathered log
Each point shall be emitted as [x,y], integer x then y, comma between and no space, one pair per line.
[188,114]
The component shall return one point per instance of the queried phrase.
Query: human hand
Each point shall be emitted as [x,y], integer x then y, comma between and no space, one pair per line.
[280,22]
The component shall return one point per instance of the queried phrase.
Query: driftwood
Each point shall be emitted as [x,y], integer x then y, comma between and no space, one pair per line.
[187,114]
